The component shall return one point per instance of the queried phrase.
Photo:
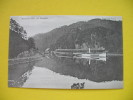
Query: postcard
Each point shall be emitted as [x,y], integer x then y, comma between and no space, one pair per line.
[65,52]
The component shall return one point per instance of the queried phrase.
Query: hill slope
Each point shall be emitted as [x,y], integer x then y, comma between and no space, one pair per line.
[94,33]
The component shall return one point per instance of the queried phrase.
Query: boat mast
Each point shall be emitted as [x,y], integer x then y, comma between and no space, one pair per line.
[89,59]
[89,50]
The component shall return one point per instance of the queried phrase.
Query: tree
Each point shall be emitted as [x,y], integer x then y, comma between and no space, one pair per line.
[31,43]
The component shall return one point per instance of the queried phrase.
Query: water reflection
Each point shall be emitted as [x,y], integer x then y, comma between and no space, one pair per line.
[19,73]
[78,85]
[97,71]
[44,78]
[72,69]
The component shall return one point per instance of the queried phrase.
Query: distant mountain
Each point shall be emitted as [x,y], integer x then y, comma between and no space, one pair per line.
[95,33]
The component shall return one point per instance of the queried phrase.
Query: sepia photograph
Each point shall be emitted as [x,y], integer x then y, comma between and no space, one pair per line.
[65,52]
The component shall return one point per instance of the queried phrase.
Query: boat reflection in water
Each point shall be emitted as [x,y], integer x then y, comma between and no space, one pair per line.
[90,57]
[97,66]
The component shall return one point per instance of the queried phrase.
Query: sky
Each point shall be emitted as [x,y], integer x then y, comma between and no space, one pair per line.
[42,24]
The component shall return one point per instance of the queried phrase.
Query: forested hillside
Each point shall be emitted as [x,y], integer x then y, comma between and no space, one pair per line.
[96,33]
[17,44]
[18,41]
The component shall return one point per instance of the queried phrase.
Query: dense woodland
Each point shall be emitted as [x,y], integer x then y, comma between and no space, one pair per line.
[18,41]
[95,33]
